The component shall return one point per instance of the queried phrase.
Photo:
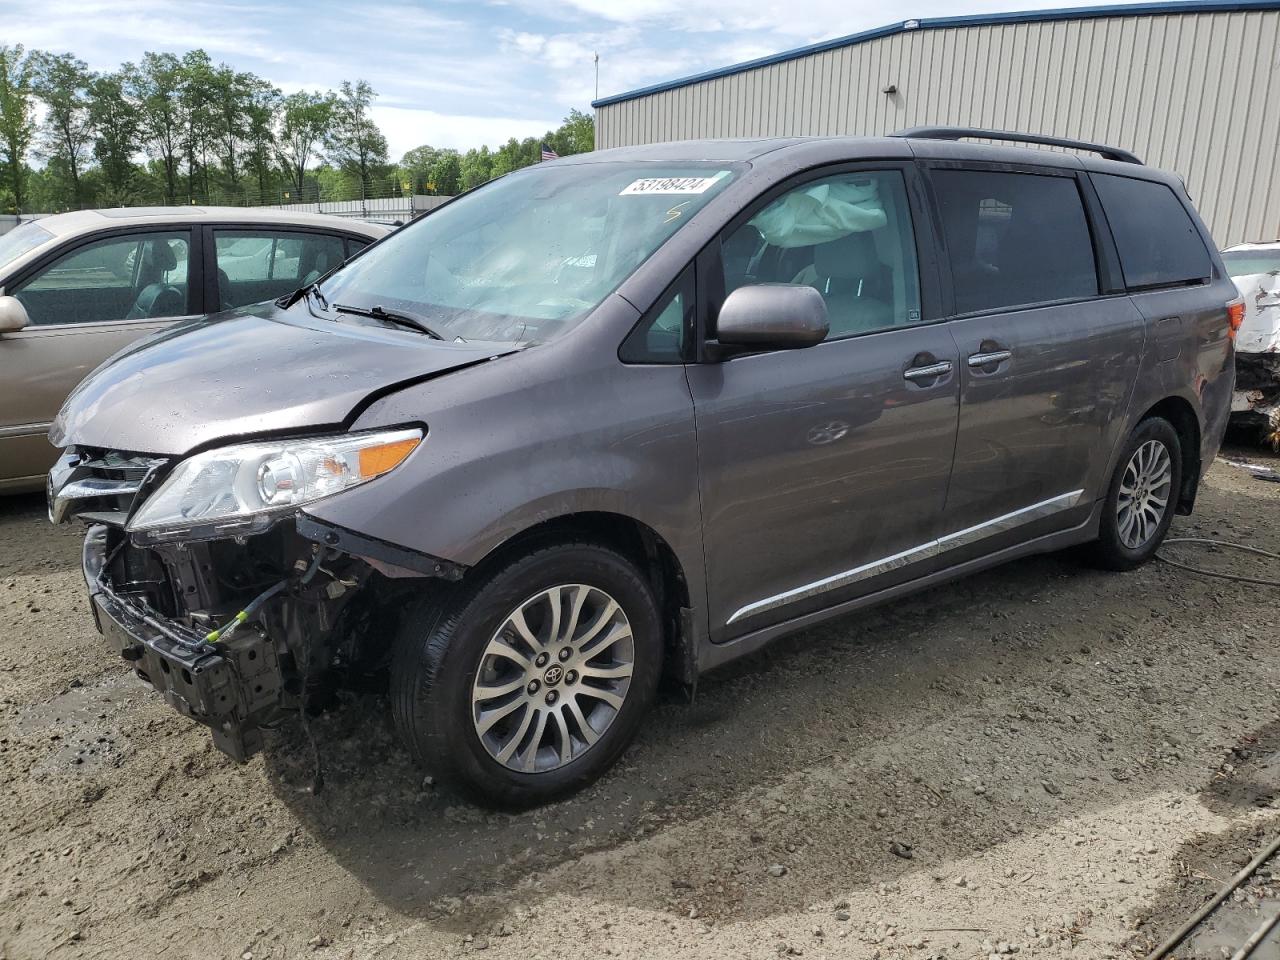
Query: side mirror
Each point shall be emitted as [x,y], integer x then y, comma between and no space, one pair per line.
[13,315]
[772,316]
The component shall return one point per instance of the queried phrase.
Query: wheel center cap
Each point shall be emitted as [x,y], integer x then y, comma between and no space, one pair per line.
[554,674]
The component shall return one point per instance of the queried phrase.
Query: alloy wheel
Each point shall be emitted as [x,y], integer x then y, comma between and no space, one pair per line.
[1144,494]
[553,678]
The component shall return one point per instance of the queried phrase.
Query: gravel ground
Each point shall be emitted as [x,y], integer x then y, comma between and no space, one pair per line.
[1044,760]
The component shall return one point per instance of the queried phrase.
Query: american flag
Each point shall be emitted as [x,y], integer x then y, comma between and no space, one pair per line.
[549,154]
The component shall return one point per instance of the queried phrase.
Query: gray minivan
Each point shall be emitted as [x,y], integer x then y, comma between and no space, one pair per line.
[636,413]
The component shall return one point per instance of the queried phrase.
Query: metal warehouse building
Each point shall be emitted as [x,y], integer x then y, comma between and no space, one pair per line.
[1192,87]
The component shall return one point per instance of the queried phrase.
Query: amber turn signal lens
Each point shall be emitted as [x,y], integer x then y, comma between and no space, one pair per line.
[1235,317]
[380,459]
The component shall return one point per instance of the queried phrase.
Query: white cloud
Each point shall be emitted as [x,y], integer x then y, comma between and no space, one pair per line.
[406,128]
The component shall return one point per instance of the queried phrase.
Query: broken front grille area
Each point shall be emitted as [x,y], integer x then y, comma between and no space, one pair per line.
[99,486]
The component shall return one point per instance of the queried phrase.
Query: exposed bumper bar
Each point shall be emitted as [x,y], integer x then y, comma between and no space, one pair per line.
[232,690]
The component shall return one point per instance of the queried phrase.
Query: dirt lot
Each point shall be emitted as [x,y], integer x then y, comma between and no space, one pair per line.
[1073,760]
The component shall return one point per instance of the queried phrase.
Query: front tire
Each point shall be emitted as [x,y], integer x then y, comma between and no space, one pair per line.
[528,683]
[1141,498]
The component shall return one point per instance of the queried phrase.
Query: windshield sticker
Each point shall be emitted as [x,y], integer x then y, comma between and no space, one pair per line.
[661,185]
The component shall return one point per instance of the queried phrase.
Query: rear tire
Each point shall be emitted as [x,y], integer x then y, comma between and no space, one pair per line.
[504,689]
[1141,497]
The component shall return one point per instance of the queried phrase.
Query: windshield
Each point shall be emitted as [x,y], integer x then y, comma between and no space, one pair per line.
[24,237]
[1243,263]
[526,257]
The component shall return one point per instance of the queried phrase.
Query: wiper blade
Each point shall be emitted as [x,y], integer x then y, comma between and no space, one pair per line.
[389,316]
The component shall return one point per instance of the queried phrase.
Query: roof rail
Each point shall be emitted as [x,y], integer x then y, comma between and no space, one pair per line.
[961,133]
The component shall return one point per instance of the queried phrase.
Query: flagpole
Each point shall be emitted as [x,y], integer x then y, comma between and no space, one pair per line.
[597,59]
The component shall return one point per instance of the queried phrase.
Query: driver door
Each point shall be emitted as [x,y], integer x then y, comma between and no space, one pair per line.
[824,470]
[84,304]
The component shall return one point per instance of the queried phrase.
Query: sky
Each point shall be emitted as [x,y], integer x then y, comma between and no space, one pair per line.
[462,73]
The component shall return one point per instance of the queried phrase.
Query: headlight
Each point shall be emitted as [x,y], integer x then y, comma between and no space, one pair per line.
[242,488]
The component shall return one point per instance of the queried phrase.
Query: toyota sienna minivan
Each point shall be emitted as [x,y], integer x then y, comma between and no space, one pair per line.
[635,413]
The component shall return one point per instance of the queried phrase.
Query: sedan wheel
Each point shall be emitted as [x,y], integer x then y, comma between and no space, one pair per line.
[553,678]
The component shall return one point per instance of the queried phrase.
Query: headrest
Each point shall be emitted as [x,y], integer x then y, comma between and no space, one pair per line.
[161,256]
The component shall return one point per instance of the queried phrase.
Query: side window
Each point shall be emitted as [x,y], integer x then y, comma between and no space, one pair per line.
[356,244]
[258,265]
[662,333]
[1014,238]
[136,277]
[1158,243]
[849,236]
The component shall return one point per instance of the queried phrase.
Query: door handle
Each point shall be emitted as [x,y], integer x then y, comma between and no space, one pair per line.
[992,356]
[928,372]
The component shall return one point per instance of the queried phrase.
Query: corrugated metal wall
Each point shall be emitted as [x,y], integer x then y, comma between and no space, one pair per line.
[1195,93]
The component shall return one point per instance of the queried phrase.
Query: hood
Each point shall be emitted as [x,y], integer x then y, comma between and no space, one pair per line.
[254,371]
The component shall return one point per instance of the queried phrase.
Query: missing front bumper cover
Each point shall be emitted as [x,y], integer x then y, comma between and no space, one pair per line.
[234,689]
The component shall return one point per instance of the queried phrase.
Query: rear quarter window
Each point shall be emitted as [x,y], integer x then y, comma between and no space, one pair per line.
[1156,238]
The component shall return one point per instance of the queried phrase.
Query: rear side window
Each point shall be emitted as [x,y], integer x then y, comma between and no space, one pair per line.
[1158,243]
[258,265]
[1014,238]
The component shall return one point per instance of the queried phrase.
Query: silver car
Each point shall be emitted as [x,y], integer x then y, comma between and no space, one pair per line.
[77,287]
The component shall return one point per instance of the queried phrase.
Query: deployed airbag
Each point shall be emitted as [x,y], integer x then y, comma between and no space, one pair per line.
[826,211]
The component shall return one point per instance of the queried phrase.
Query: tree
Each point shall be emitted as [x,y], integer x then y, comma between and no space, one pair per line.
[230,102]
[155,88]
[200,113]
[445,177]
[306,120]
[16,124]
[576,135]
[415,167]
[476,168]
[115,126]
[354,142]
[260,140]
[61,83]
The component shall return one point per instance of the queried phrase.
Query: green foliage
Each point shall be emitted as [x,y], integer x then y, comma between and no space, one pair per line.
[186,129]
[304,121]
[354,142]
[16,123]
[117,132]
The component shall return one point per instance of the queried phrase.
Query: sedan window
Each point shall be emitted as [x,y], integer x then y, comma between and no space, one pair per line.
[134,277]
[258,265]
[19,240]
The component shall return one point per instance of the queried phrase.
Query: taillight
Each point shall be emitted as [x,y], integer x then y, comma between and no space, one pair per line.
[1235,317]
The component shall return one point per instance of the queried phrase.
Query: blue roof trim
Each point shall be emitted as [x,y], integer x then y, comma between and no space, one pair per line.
[935,23]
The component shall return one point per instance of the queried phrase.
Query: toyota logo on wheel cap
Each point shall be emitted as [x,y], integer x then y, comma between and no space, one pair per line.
[553,675]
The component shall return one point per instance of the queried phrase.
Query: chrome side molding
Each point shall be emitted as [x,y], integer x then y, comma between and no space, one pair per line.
[932,548]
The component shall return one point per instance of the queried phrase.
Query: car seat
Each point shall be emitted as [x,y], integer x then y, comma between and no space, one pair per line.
[853,282]
[157,298]
[321,263]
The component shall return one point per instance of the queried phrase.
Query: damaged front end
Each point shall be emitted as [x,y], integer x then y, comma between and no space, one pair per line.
[1256,402]
[1255,405]
[238,618]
